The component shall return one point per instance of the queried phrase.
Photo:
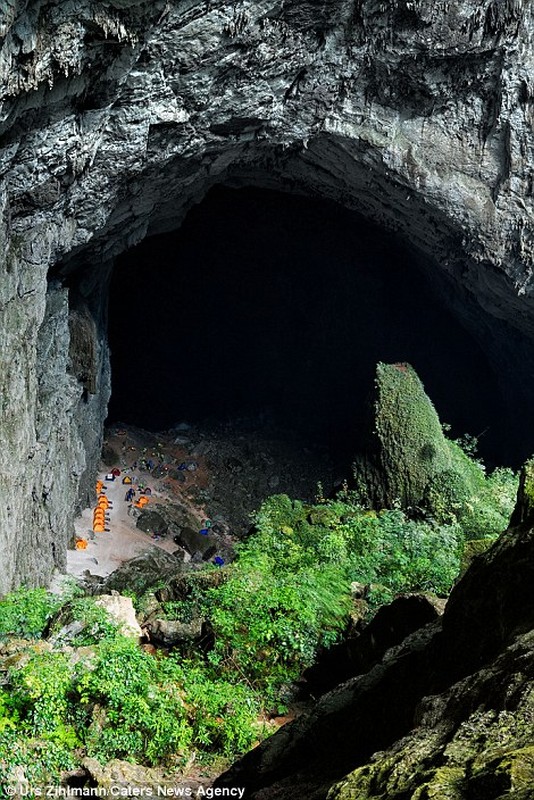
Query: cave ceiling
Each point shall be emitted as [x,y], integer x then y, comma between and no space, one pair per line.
[116,117]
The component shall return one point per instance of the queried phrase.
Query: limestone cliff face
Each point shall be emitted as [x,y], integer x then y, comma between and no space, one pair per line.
[116,116]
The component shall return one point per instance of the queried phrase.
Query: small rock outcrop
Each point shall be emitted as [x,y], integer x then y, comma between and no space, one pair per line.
[122,612]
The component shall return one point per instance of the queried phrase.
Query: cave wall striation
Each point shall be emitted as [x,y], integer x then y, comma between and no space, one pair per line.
[117,116]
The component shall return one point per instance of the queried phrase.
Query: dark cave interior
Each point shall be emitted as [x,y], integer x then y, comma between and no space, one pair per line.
[276,307]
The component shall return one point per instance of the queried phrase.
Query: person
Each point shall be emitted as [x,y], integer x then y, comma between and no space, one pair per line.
[130,494]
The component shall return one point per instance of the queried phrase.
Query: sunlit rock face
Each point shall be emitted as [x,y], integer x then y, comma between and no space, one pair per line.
[116,117]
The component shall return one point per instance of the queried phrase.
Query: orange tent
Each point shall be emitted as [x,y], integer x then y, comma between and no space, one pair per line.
[98,528]
[99,486]
[103,502]
[81,544]
[141,502]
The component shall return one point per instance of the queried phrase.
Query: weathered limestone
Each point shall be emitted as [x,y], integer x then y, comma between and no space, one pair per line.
[115,117]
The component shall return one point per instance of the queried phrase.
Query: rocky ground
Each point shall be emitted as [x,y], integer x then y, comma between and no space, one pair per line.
[209,478]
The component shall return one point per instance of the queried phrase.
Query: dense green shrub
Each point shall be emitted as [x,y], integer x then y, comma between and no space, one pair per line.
[97,623]
[222,715]
[149,709]
[119,702]
[268,621]
[26,612]
[289,590]
[42,761]
[128,712]
[39,693]
[481,504]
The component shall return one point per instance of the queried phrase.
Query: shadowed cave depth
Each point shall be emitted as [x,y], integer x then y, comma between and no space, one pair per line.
[278,307]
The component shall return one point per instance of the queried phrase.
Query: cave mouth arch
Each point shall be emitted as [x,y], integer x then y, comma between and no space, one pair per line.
[278,306]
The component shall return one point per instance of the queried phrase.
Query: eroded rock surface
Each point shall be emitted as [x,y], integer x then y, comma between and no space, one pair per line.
[116,117]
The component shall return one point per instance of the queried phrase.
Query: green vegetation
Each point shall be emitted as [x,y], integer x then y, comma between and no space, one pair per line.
[93,691]
[411,464]
[26,612]
[421,508]
[289,591]
[481,504]
[113,700]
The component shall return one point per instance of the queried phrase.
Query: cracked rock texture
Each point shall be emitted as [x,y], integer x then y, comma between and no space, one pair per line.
[117,116]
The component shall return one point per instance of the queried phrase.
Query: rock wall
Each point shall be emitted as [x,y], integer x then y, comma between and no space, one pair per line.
[117,116]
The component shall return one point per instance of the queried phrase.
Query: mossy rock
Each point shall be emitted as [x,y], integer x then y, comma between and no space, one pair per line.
[409,462]
[524,509]
[514,771]
[407,447]
[474,548]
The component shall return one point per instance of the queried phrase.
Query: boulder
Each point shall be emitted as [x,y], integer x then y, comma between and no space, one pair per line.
[141,573]
[172,632]
[151,521]
[195,542]
[362,649]
[121,611]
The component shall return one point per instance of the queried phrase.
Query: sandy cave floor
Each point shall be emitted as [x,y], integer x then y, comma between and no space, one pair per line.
[106,551]
[219,474]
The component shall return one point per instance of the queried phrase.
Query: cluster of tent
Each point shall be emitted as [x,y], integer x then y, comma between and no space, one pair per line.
[100,513]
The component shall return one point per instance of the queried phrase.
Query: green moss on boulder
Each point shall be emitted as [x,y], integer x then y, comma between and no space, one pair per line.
[410,463]
[407,447]
[460,752]
[473,548]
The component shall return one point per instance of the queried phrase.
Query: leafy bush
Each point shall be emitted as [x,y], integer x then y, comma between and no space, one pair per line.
[42,761]
[222,715]
[151,709]
[26,612]
[128,714]
[289,590]
[269,622]
[487,513]
[98,625]
[40,696]
[402,555]
[481,504]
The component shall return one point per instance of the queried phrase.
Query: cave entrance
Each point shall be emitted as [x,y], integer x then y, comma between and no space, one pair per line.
[277,307]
